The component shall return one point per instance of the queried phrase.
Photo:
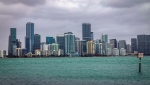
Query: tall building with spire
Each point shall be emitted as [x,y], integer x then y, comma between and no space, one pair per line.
[29,39]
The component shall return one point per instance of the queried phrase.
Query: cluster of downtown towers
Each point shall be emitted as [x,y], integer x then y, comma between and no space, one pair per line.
[70,44]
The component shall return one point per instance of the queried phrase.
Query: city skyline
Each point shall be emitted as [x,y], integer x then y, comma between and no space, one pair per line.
[124,18]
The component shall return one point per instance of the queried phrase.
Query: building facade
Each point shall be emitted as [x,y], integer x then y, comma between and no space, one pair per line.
[133,44]
[37,41]
[69,43]
[104,40]
[90,46]
[12,41]
[122,44]
[2,53]
[18,43]
[143,44]
[128,48]
[61,41]
[80,47]
[50,40]
[29,39]
[86,31]
[113,42]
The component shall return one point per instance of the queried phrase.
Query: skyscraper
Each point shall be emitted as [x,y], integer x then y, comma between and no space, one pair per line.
[128,48]
[86,31]
[133,44]
[12,42]
[113,42]
[37,41]
[90,46]
[122,44]
[29,39]
[144,44]
[69,43]
[80,46]
[50,40]
[18,43]
[104,40]
[61,41]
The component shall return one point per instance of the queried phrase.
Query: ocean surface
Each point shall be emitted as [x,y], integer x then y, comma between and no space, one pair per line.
[74,71]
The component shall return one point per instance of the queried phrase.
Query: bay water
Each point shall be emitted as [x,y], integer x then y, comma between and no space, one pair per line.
[75,71]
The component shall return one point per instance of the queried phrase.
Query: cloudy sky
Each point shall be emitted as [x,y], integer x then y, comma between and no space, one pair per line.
[120,19]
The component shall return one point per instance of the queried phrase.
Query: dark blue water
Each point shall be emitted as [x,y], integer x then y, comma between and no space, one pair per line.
[74,71]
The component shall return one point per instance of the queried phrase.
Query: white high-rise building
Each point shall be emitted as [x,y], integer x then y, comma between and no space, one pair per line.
[44,49]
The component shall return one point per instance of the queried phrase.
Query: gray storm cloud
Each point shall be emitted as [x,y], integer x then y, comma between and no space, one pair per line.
[123,3]
[120,19]
[26,2]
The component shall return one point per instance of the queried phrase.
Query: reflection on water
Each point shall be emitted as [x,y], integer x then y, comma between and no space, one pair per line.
[74,71]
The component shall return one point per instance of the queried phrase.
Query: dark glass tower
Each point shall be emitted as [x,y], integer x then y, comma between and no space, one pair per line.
[122,44]
[29,37]
[61,41]
[133,44]
[18,43]
[144,44]
[114,43]
[37,41]
[50,40]
[12,41]
[86,31]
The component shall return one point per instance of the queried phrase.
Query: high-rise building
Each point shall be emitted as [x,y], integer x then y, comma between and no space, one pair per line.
[113,42]
[80,47]
[98,48]
[44,49]
[128,48]
[133,44]
[90,46]
[55,47]
[61,41]
[122,44]
[69,43]
[12,41]
[50,40]
[104,40]
[29,39]
[144,44]
[86,31]
[18,43]
[37,41]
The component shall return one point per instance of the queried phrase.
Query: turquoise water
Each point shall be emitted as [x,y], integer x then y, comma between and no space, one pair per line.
[74,71]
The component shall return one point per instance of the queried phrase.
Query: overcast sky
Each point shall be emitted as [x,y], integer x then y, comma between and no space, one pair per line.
[120,19]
